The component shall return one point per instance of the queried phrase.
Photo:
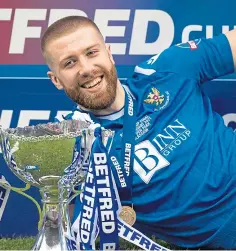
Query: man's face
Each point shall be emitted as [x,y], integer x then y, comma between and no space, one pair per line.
[82,65]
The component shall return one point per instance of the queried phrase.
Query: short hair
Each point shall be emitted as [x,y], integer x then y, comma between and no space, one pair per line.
[65,26]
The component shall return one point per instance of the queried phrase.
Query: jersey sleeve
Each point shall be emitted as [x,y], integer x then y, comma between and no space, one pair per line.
[200,59]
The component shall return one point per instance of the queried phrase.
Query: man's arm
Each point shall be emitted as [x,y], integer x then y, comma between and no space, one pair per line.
[231,35]
[200,59]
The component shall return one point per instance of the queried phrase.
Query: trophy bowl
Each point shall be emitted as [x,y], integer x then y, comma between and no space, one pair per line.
[50,156]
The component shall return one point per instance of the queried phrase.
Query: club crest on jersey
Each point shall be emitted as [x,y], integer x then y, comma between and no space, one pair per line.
[157,99]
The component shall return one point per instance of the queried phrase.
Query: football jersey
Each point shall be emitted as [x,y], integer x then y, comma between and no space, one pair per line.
[184,182]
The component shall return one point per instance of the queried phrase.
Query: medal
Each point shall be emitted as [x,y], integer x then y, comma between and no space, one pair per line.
[128,215]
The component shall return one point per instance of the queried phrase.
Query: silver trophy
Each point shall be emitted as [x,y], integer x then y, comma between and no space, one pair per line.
[47,156]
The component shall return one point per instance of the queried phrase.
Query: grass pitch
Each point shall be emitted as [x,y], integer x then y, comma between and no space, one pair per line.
[27,243]
[16,243]
[49,157]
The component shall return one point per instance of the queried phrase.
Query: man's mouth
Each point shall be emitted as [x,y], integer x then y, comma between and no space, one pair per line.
[95,82]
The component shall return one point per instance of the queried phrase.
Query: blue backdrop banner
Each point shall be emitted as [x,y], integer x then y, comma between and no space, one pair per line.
[136,30]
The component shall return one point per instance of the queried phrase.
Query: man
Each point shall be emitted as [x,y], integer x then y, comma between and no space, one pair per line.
[183,180]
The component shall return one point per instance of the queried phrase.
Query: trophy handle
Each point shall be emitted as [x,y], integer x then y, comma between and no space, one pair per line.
[21,191]
[75,193]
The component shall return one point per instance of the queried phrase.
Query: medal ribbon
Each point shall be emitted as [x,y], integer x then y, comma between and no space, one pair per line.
[99,205]
[87,217]
[102,188]
[105,195]
[126,170]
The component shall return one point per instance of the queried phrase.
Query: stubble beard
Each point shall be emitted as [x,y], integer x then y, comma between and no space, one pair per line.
[100,100]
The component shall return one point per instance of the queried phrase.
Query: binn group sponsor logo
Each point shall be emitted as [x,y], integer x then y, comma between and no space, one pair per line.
[172,137]
[148,160]
[151,156]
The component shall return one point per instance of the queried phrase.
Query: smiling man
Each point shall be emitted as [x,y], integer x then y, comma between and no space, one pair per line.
[173,159]
[83,66]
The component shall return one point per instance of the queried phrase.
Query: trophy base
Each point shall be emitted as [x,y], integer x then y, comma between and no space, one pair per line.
[55,228]
[48,238]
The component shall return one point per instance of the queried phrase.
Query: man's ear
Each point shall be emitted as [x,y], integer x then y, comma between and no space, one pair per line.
[108,47]
[54,80]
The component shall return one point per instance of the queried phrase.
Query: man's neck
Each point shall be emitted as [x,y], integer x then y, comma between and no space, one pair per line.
[118,103]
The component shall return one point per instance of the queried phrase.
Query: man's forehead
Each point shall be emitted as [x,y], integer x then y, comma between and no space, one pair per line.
[83,36]
[74,41]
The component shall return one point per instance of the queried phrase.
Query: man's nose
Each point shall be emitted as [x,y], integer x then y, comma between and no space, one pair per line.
[84,68]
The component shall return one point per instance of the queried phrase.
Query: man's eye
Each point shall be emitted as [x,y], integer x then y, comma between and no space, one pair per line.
[91,53]
[69,63]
